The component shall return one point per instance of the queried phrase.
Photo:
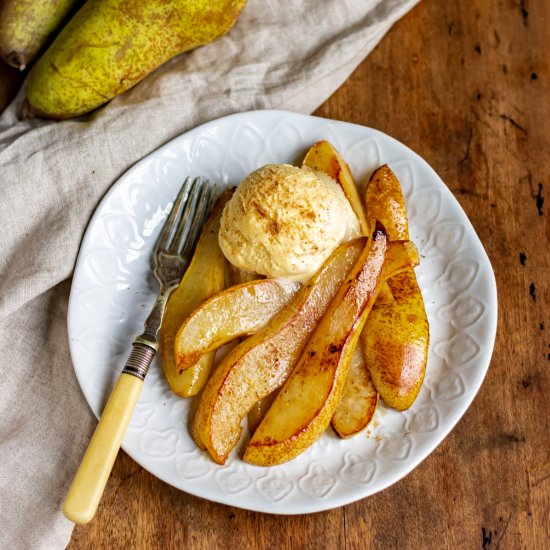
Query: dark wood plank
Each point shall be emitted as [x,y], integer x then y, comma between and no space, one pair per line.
[466,85]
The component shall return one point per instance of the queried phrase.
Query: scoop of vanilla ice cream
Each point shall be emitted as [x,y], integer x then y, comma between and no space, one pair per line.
[284,222]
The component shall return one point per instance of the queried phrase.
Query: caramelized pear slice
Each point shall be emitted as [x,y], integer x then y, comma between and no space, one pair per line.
[395,343]
[237,311]
[307,401]
[384,201]
[323,157]
[396,336]
[261,363]
[359,399]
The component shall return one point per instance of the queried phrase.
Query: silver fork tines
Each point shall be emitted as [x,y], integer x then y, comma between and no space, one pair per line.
[205,202]
[178,239]
[167,235]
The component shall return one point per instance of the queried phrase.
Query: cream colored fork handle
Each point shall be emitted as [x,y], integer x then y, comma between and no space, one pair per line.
[94,470]
[92,475]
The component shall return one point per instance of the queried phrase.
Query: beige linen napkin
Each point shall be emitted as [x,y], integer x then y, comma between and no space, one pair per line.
[281,55]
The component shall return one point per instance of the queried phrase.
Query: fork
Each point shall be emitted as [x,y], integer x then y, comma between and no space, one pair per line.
[172,257]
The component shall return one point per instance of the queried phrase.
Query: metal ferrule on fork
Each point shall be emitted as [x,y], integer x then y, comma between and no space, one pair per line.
[139,361]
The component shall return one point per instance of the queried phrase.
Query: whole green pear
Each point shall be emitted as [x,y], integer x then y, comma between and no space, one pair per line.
[110,45]
[27,25]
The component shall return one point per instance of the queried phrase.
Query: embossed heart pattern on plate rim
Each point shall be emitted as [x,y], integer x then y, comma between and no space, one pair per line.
[113,288]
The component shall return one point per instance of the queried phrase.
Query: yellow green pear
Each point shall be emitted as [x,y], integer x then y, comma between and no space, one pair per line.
[110,45]
[27,25]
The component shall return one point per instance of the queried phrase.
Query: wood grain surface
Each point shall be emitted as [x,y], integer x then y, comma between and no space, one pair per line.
[466,85]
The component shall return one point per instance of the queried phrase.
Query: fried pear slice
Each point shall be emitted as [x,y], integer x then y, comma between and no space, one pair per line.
[384,201]
[396,336]
[261,363]
[232,313]
[323,157]
[359,399]
[306,403]
[204,277]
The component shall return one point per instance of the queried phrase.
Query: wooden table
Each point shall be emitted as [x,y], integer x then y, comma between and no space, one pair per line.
[467,86]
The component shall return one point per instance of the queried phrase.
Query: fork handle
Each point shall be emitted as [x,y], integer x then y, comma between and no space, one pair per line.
[91,477]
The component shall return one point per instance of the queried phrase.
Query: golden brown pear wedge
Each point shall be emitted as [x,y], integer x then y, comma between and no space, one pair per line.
[237,311]
[204,277]
[359,399]
[110,45]
[306,403]
[261,363]
[384,201]
[396,336]
[323,157]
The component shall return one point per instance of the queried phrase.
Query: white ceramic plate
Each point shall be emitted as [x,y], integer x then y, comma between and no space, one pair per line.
[113,289]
